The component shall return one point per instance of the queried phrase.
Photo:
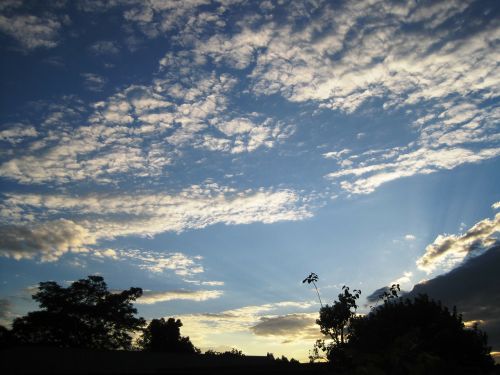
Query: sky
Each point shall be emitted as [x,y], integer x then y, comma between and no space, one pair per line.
[214,153]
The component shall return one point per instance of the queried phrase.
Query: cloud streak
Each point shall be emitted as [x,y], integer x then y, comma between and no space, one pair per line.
[449,250]
[47,241]
[107,217]
[30,31]
[150,297]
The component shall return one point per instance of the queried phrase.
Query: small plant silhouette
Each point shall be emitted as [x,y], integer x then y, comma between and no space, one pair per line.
[313,278]
[391,293]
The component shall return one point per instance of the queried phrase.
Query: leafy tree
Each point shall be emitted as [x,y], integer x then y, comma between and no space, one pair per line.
[402,336]
[334,321]
[417,336]
[84,315]
[165,336]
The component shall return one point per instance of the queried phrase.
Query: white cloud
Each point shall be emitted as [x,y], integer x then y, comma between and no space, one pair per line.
[496,205]
[243,318]
[449,250]
[94,82]
[109,216]
[212,283]
[364,52]
[235,126]
[149,297]
[32,32]
[158,262]
[419,161]
[15,133]
[106,253]
[410,237]
[246,135]
[405,280]
[255,329]
[336,154]
[104,47]
[47,241]
[237,51]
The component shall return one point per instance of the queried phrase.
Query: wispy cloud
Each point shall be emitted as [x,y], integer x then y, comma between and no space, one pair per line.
[31,31]
[150,297]
[104,47]
[264,326]
[376,57]
[449,250]
[157,262]
[106,216]
[243,318]
[126,132]
[15,133]
[94,82]
[420,161]
[47,241]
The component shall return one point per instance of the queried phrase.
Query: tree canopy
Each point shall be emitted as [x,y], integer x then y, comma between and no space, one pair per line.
[402,336]
[83,315]
[165,336]
[418,336]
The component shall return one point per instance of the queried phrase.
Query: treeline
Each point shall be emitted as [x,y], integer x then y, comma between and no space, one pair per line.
[86,315]
[401,336]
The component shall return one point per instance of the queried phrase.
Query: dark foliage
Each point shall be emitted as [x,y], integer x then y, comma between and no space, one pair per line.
[5,338]
[165,336]
[403,336]
[233,353]
[417,336]
[83,315]
[282,360]
[334,321]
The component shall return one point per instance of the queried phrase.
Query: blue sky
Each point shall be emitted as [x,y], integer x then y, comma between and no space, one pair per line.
[214,153]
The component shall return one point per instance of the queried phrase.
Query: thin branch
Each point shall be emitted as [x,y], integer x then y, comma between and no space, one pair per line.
[317,292]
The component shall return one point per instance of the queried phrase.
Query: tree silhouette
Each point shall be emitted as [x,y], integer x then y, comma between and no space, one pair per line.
[334,321]
[83,315]
[233,353]
[417,336]
[165,336]
[312,278]
[5,337]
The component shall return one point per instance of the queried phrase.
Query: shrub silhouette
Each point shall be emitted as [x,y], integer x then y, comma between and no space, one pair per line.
[83,315]
[417,336]
[165,336]
[402,336]
[233,353]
